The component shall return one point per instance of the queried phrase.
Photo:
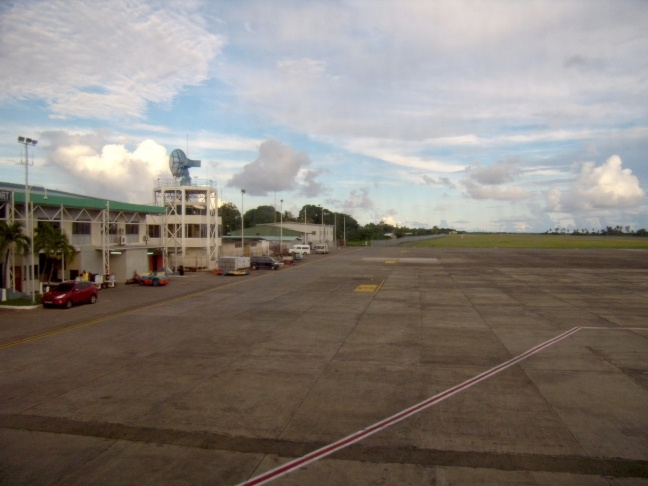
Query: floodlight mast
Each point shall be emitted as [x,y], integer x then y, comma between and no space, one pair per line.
[27,142]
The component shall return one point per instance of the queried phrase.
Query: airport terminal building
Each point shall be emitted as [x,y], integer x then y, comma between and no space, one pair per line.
[110,237]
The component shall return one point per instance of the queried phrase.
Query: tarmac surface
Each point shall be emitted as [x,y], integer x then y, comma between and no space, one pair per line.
[217,380]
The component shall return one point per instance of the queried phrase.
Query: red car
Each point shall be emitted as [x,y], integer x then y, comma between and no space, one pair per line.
[67,294]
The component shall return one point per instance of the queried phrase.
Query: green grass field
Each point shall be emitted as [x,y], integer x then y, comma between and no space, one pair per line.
[534,241]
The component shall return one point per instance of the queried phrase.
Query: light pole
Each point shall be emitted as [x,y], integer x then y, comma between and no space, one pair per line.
[322,230]
[31,236]
[242,224]
[305,237]
[281,229]
[335,229]
[27,142]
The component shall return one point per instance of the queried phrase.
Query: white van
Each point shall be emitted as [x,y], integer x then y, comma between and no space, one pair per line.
[300,249]
[321,248]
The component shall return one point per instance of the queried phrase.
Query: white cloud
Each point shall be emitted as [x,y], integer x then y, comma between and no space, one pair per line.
[607,186]
[397,153]
[390,221]
[101,59]
[311,187]
[477,191]
[502,171]
[276,169]
[358,200]
[106,169]
[441,181]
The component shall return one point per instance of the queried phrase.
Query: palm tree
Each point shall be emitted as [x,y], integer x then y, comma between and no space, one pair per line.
[12,235]
[54,243]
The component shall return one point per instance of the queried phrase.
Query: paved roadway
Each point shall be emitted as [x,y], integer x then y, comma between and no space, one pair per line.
[215,380]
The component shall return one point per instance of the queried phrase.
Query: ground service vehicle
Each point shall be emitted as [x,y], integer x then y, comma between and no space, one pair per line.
[303,249]
[67,294]
[321,248]
[264,262]
[154,280]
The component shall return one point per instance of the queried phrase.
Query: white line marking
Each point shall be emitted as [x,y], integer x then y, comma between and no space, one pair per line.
[383,424]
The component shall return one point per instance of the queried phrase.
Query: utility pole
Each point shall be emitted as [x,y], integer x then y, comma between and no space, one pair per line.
[242,225]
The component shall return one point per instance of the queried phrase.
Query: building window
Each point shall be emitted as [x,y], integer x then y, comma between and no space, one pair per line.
[154,230]
[112,229]
[132,229]
[196,231]
[81,228]
[81,233]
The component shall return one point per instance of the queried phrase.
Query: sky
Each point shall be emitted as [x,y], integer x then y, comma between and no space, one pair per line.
[479,116]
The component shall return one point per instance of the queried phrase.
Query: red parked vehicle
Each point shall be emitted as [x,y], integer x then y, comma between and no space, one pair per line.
[67,294]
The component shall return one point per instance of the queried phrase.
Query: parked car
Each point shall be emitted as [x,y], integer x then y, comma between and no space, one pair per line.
[67,294]
[264,262]
[321,248]
[303,249]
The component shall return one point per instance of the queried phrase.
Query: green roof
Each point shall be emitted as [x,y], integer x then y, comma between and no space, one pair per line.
[82,202]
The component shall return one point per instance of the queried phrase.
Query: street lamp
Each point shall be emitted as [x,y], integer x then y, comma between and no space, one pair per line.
[26,141]
[323,235]
[31,236]
[281,229]
[305,235]
[242,224]
[335,229]
[322,226]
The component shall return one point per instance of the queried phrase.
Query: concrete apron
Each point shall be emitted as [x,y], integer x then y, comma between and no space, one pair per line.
[239,378]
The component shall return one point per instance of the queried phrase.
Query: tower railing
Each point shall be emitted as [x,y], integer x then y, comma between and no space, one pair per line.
[159,183]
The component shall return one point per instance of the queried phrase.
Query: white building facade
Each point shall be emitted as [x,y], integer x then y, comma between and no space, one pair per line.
[110,237]
[312,234]
[190,228]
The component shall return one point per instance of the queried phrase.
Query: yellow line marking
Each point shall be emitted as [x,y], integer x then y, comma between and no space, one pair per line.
[366,288]
[369,287]
[125,313]
[391,262]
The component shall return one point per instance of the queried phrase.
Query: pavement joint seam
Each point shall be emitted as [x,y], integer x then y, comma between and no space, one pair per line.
[615,467]
[360,435]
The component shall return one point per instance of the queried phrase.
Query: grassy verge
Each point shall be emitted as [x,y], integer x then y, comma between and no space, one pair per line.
[535,241]
[21,302]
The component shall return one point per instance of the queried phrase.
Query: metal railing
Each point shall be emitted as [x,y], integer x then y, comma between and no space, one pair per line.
[159,183]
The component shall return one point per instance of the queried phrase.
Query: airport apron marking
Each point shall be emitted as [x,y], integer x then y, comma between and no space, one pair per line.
[383,424]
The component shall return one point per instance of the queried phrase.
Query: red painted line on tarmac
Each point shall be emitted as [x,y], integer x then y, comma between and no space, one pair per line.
[342,443]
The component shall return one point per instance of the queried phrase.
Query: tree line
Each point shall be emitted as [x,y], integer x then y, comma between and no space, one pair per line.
[617,230]
[311,214]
